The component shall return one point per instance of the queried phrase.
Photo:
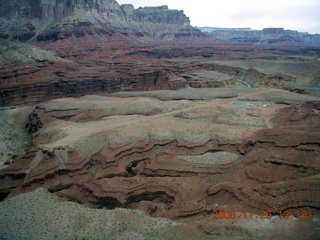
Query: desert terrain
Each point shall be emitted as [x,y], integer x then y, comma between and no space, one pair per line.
[123,123]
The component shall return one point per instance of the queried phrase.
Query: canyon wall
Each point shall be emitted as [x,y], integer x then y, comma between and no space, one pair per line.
[265,36]
[33,19]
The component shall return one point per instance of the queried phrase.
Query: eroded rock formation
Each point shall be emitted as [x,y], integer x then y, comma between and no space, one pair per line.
[176,158]
[30,74]
[223,142]
[54,20]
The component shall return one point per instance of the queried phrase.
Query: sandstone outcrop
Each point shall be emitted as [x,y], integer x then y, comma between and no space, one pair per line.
[175,158]
[99,46]
[127,115]
[30,74]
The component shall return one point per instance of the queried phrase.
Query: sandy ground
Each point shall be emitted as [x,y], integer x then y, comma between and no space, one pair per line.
[40,214]
[14,139]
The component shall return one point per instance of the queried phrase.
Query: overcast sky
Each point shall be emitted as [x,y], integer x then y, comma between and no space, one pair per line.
[301,15]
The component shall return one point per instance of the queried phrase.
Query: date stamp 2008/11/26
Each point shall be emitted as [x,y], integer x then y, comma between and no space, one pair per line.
[264,214]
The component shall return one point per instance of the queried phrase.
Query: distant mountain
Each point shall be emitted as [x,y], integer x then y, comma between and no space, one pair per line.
[278,36]
[52,20]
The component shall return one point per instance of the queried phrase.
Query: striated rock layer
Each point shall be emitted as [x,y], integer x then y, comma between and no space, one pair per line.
[237,149]
[54,20]
[88,47]
[29,74]
[267,36]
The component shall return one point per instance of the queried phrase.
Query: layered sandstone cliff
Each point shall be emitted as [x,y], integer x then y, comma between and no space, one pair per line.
[277,36]
[52,20]
[29,74]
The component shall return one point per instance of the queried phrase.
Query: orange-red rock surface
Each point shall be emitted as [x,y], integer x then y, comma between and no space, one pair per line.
[30,74]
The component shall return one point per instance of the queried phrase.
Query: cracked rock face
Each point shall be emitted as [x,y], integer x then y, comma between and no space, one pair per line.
[175,158]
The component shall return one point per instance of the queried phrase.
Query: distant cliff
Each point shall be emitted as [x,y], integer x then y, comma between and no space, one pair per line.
[45,20]
[265,36]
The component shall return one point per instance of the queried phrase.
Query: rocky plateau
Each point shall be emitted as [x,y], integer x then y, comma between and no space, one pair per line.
[273,36]
[124,123]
